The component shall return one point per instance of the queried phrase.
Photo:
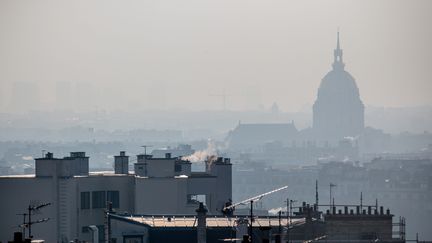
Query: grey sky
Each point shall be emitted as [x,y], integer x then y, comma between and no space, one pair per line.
[174,54]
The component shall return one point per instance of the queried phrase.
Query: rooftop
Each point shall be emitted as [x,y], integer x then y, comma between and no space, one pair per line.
[212,221]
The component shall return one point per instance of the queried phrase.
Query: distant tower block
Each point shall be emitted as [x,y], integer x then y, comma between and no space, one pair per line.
[121,163]
[338,110]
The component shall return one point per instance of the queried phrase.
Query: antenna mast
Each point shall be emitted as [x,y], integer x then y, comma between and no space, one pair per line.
[316,194]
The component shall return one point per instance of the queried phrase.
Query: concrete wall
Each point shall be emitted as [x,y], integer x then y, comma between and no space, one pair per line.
[155,168]
[95,216]
[223,191]
[204,186]
[160,167]
[162,196]
[357,227]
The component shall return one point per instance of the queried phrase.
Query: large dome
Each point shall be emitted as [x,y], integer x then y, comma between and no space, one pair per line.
[338,111]
[338,84]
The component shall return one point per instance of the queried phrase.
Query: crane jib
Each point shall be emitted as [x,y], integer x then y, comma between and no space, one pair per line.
[256,198]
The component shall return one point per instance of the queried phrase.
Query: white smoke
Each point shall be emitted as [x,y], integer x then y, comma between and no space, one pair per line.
[275,211]
[209,154]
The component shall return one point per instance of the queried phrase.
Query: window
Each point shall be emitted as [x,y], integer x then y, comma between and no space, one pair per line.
[85,229]
[85,200]
[114,198]
[98,199]
[196,198]
[132,239]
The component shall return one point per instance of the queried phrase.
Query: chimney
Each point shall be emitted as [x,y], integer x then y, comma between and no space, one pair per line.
[167,155]
[18,237]
[346,210]
[202,223]
[121,163]
[49,155]
[382,210]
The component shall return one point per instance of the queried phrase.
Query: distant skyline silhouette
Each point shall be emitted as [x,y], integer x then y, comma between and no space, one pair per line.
[173,55]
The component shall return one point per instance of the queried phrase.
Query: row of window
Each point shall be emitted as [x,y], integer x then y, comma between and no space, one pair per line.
[99,199]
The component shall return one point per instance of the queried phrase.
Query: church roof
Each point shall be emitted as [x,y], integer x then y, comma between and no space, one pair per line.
[338,82]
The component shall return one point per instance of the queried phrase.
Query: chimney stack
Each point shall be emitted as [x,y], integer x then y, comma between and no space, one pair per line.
[121,163]
[202,223]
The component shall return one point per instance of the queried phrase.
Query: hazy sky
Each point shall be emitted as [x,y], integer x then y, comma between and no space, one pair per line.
[175,54]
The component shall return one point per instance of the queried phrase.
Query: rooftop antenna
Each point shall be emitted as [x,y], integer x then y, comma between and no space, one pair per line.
[31,210]
[316,194]
[361,201]
[145,148]
[145,157]
[331,195]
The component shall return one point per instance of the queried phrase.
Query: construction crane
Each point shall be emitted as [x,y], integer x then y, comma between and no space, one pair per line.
[224,96]
[251,200]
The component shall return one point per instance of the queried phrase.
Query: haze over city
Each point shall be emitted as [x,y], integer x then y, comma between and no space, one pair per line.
[176,55]
[209,121]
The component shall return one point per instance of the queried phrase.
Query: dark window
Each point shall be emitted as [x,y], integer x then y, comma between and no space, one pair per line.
[114,198]
[98,199]
[177,168]
[85,229]
[85,200]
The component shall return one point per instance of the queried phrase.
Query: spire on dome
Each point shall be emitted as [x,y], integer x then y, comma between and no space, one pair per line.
[338,55]
[338,44]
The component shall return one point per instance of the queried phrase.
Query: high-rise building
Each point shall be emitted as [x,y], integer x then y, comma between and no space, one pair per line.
[338,111]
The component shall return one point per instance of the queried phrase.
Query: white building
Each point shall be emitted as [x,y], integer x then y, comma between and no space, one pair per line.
[78,198]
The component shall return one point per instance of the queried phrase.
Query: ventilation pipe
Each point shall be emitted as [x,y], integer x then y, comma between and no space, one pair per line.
[95,233]
[202,223]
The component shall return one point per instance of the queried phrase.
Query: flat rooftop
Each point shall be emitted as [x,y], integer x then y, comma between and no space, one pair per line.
[212,221]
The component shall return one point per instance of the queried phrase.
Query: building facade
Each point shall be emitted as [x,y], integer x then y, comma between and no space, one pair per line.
[79,198]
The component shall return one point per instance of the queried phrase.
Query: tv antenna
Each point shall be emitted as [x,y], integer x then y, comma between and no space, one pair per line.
[32,209]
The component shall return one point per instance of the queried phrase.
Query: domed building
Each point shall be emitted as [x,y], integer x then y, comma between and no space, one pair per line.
[338,111]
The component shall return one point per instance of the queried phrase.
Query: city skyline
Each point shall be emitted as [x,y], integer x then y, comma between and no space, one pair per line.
[128,51]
